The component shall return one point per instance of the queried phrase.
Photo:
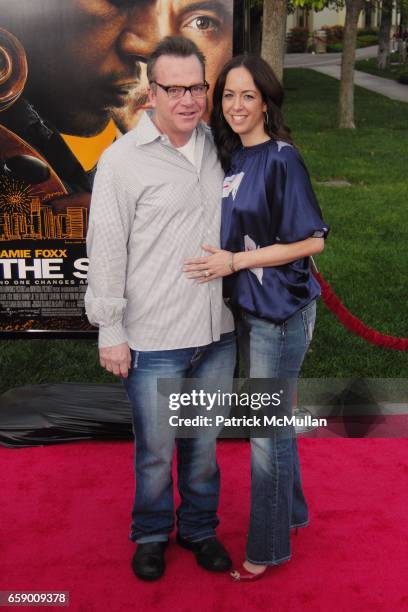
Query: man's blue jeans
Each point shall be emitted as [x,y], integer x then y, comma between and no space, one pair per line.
[198,473]
[277,500]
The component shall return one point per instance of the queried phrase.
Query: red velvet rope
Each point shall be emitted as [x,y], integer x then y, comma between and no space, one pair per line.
[354,324]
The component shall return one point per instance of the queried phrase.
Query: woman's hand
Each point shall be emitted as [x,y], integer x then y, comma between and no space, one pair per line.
[210,267]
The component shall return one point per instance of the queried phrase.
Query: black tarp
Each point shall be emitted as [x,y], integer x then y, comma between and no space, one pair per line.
[46,414]
[50,414]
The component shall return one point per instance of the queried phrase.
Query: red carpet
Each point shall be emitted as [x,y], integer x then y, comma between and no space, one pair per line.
[65,516]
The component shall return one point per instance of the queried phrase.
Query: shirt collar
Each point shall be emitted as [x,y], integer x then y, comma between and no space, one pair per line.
[146,131]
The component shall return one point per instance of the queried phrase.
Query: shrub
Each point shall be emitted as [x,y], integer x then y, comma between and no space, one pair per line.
[334,34]
[367,32]
[403,77]
[366,40]
[297,40]
[335,48]
[395,57]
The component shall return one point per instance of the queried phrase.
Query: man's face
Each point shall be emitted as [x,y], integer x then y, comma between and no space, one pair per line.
[206,22]
[177,117]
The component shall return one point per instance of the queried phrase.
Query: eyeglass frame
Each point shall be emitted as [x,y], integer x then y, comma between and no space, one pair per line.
[167,87]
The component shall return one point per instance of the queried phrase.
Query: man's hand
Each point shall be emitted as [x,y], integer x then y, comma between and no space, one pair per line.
[115,359]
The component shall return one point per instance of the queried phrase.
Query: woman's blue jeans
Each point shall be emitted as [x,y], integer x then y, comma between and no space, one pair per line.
[198,473]
[277,500]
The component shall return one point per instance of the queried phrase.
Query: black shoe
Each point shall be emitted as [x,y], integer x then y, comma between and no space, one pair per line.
[148,560]
[210,553]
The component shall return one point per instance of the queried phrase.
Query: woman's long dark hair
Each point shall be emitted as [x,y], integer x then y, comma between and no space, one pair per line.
[226,140]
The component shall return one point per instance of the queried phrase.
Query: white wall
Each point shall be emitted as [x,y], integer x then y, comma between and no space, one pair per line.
[328,17]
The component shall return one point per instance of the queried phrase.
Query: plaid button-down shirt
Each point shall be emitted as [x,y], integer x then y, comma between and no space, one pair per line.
[151,210]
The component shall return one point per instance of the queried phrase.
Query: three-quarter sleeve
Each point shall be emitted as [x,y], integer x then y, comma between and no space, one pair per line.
[110,223]
[300,214]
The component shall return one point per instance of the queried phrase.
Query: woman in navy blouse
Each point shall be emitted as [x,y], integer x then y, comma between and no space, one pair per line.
[271,225]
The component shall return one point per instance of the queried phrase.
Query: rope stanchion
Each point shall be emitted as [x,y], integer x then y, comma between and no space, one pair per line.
[354,324]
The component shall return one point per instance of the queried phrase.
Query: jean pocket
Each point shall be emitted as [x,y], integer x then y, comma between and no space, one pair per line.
[309,320]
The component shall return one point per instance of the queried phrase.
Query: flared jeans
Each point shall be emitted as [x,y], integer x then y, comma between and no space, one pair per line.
[277,500]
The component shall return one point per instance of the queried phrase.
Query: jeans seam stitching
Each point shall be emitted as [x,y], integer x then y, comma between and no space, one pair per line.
[276,492]
[202,536]
[277,562]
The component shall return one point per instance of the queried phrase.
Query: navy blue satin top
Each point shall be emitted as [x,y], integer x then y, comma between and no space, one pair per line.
[268,199]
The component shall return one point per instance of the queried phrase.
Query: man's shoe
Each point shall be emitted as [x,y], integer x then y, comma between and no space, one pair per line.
[148,560]
[210,553]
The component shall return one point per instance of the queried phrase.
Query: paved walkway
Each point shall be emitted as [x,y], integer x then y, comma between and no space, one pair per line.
[330,64]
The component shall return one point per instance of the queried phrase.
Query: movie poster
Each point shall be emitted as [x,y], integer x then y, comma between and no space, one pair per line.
[72,80]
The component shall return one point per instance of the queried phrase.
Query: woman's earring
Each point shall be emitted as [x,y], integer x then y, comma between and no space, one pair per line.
[266,118]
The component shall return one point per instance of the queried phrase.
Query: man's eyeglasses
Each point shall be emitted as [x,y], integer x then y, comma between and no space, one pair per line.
[178,91]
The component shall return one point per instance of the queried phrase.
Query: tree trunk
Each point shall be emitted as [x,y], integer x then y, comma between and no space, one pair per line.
[383,57]
[346,99]
[273,34]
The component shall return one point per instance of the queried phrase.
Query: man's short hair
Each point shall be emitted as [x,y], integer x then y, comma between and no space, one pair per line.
[177,46]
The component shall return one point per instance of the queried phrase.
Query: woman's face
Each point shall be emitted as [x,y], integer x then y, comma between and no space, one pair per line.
[243,107]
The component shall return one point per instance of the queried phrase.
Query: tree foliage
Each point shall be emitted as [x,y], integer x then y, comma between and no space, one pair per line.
[316,5]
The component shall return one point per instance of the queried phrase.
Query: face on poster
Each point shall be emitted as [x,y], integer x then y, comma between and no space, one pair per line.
[82,54]
[83,85]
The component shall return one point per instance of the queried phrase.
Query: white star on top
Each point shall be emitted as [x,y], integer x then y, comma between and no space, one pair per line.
[250,245]
[282,144]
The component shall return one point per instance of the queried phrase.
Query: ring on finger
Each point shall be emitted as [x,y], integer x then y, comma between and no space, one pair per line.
[207,273]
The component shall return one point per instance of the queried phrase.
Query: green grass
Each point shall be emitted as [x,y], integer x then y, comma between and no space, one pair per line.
[365,259]
[49,361]
[370,66]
